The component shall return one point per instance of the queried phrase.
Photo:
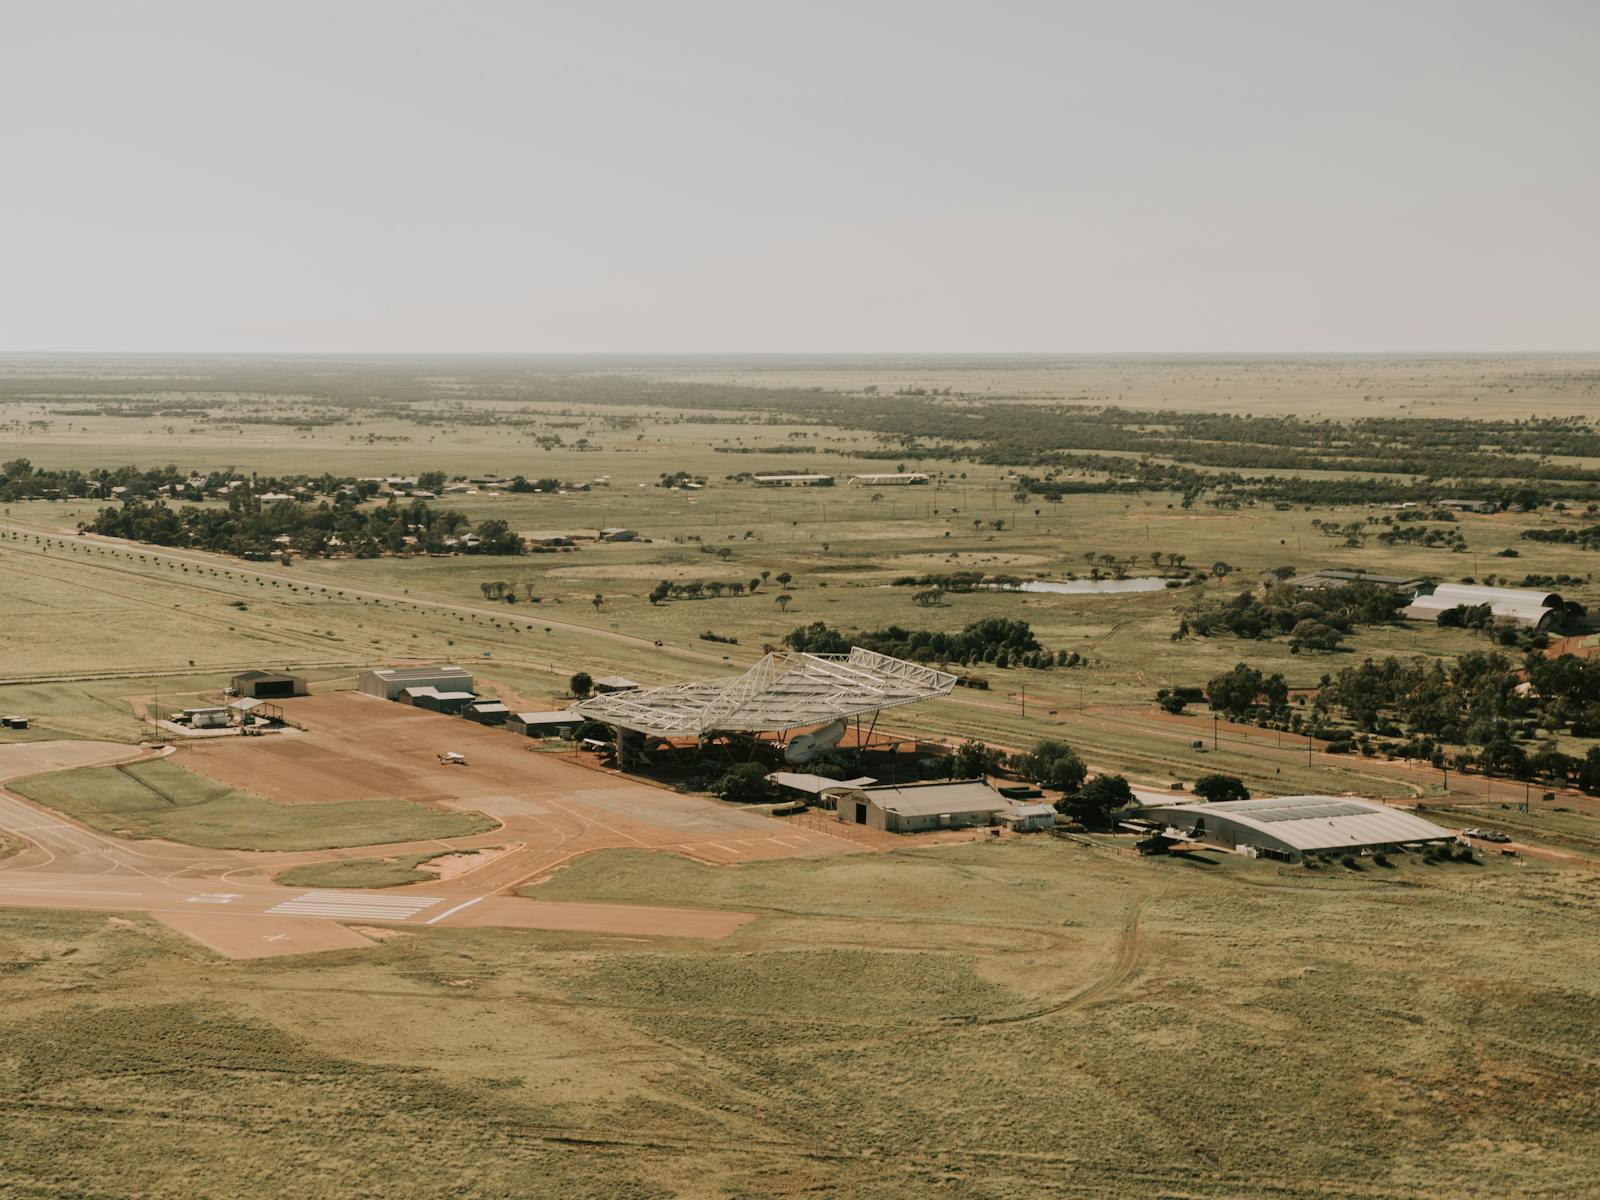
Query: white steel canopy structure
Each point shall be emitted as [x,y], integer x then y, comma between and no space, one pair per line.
[779,693]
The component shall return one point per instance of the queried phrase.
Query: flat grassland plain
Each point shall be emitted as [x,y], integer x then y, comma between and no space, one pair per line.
[1018,1018]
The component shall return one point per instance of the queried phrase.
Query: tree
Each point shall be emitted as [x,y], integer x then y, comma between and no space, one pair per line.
[1313,635]
[1095,801]
[783,578]
[745,783]
[660,592]
[581,683]
[928,597]
[1216,789]
[1052,764]
[782,601]
[974,760]
[431,481]
[597,601]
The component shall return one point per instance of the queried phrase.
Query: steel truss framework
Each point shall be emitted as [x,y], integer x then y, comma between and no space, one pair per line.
[780,693]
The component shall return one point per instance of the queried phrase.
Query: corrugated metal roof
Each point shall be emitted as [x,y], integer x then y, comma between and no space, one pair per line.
[550,718]
[933,799]
[1310,822]
[400,674]
[816,784]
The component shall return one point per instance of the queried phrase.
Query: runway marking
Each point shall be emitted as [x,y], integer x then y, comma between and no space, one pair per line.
[214,898]
[344,906]
[724,849]
[456,909]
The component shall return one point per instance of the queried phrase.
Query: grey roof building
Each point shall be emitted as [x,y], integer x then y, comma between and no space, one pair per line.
[913,807]
[1291,826]
[388,682]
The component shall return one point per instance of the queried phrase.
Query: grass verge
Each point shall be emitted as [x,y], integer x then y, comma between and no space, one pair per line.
[361,872]
[162,800]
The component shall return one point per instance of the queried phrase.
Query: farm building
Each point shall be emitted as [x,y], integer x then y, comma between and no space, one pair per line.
[250,709]
[434,700]
[1029,818]
[1526,607]
[544,724]
[607,684]
[615,534]
[13,722]
[267,685]
[486,712]
[1476,506]
[889,479]
[914,807]
[792,480]
[1338,577]
[388,682]
[1292,826]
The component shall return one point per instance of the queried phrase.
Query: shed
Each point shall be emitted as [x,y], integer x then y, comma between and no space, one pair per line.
[914,807]
[389,682]
[251,708]
[813,786]
[487,712]
[434,700]
[544,724]
[268,685]
[1527,607]
[615,683]
[1027,818]
[1291,826]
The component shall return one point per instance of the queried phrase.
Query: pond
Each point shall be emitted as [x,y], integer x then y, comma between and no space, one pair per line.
[1080,587]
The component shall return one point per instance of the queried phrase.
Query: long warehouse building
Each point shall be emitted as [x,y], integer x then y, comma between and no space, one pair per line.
[1292,826]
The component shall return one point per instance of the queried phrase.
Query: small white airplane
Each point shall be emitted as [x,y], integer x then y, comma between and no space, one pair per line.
[451,759]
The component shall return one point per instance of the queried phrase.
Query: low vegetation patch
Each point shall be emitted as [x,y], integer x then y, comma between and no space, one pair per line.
[162,800]
[394,871]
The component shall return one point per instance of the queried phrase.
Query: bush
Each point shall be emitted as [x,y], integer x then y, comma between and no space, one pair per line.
[582,683]
[1219,788]
[744,784]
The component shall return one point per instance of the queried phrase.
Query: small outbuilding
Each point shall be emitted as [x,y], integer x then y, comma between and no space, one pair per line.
[544,724]
[268,685]
[814,787]
[435,700]
[615,683]
[1029,818]
[915,807]
[388,683]
[487,712]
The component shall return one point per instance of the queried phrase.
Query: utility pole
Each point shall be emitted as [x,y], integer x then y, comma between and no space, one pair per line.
[1308,748]
[1214,719]
[1022,695]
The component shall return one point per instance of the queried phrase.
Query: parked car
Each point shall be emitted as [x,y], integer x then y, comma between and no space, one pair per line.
[1486,835]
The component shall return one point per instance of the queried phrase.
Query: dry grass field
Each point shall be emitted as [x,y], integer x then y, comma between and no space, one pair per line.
[1019,1019]
[1011,1018]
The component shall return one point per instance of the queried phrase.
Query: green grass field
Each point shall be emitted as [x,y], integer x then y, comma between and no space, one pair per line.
[162,800]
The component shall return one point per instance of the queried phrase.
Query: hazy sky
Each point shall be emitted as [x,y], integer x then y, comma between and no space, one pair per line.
[679,176]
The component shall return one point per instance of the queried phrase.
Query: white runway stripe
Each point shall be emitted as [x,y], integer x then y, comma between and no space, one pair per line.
[345,905]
